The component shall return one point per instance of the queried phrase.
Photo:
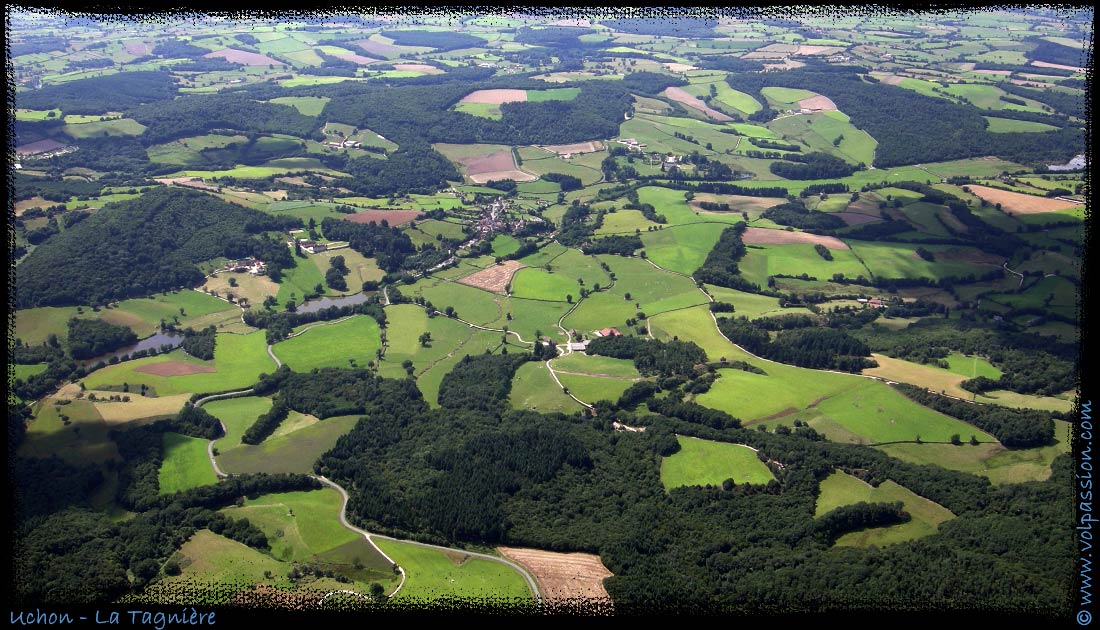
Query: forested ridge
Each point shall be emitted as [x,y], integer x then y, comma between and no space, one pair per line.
[138,247]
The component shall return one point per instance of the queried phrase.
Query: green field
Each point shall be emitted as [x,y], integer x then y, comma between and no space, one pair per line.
[554,94]
[651,291]
[682,248]
[971,367]
[752,305]
[504,245]
[288,453]
[432,574]
[595,364]
[186,308]
[533,388]
[840,489]
[35,325]
[185,464]
[85,440]
[24,372]
[999,464]
[704,462]
[593,388]
[762,261]
[482,110]
[100,129]
[238,359]
[1007,125]
[236,414]
[539,284]
[281,166]
[786,96]
[817,132]
[332,345]
[303,525]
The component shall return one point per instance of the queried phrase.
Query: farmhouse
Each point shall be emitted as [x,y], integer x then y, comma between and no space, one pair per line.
[608,332]
[312,247]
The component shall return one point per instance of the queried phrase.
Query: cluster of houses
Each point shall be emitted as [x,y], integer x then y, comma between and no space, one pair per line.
[632,144]
[346,144]
[873,302]
[581,346]
[250,265]
[306,245]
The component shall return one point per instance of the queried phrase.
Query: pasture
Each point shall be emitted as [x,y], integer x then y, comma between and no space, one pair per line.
[236,415]
[185,464]
[705,462]
[84,439]
[534,388]
[293,452]
[593,388]
[595,365]
[434,574]
[238,362]
[350,342]
[306,105]
[999,464]
[840,489]
[104,128]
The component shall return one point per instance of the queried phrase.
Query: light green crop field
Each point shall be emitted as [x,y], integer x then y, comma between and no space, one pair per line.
[554,94]
[974,167]
[332,345]
[35,325]
[840,489]
[504,244]
[482,110]
[786,96]
[300,525]
[595,364]
[695,324]
[32,114]
[185,464]
[540,284]
[682,248]
[704,462]
[989,97]
[289,453]
[624,222]
[238,359]
[193,309]
[762,261]
[1007,125]
[752,131]
[236,414]
[433,574]
[593,388]
[874,413]
[24,372]
[752,305]
[280,166]
[1025,401]
[306,105]
[85,440]
[100,129]
[999,464]
[534,388]
[971,367]
[818,132]
[894,260]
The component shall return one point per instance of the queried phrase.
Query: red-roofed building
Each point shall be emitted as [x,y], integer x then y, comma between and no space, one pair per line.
[609,332]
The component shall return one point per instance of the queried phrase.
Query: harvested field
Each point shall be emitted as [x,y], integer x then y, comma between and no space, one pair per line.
[33,202]
[737,202]
[579,147]
[1031,83]
[678,67]
[680,96]
[175,368]
[562,576]
[376,48]
[40,146]
[1019,203]
[246,58]
[891,79]
[193,182]
[817,103]
[818,50]
[764,236]
[499,161]
[999,73]
[139,407]
[494,278]
[854,218]
[393,217]
[136,48]
[417,67]
[515,175]
[1043,64]
[354,58]
[496,97]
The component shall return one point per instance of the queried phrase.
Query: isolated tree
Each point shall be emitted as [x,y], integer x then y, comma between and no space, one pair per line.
[425,339]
